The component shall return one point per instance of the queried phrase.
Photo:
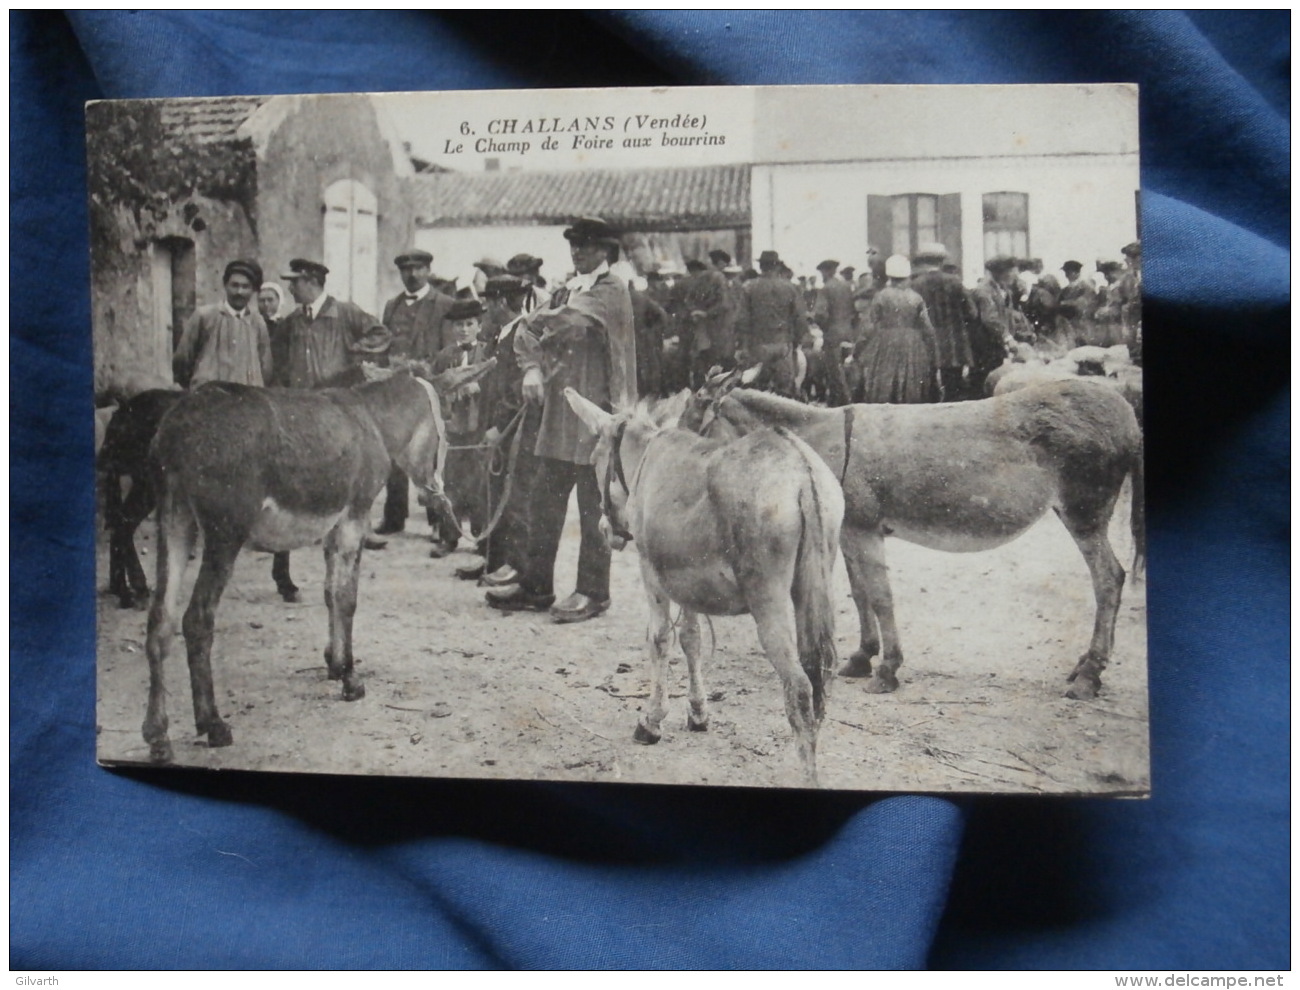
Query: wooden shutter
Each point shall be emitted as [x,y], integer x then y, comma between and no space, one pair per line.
[950,226]
[880,224]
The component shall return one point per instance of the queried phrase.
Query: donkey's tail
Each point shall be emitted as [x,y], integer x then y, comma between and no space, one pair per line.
[1138,513]
[821,508]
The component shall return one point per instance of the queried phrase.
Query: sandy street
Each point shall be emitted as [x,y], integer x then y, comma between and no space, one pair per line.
[457,689]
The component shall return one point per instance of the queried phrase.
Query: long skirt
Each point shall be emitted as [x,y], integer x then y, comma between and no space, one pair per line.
[895,367]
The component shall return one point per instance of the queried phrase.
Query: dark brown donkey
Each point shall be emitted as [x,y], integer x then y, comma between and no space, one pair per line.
[960,476]
[125,454]
[278,469]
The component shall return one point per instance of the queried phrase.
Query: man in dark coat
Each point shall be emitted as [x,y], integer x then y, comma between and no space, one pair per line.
[327,339]
[834,313]
[771,323]
[583,340]
[951,313]
[705,320]
[415,318]
[1075,306]
[990,335]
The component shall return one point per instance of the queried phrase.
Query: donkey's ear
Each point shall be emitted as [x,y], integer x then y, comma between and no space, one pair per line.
[593,417]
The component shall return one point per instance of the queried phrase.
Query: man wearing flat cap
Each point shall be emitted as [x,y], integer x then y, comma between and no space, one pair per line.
[1075,305]
[327,340]
[328,337]
[771,323]
[227,342]
[416,319]
[951,313]
[584,340]
[833,310]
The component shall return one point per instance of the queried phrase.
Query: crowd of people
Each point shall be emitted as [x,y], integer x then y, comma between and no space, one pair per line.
[905,330]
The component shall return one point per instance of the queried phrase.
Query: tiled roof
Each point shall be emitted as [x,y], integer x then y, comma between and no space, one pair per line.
[208,119]
[645,199]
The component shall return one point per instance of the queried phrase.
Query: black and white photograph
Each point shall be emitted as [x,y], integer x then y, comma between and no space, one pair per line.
[742,436]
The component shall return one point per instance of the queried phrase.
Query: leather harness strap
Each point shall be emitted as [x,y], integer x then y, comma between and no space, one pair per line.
[848,442]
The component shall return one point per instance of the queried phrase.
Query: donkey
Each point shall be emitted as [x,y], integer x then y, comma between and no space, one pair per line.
[125,454]
[724,529]
[278,469]
[960,477]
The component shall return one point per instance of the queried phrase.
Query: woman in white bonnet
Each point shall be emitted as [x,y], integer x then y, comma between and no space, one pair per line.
[270,302]
[897,352]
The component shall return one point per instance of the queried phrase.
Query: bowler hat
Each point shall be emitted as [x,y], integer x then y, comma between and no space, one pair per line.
[302,268]
[591,230]
[769,259]
[499,286]
[695,265]
[828,264]
[1072,266]
[719,257]
[413,257]
[241,266]
[1000,263]
[523,263]
[464,309]
[1132,250]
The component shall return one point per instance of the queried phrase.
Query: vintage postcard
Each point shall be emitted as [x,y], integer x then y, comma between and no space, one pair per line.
[776,436]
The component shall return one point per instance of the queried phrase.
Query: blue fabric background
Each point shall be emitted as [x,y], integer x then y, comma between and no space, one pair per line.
[115,869]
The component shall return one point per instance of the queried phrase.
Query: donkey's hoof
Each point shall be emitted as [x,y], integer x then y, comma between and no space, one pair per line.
[859,665]
[219,735]
[882,682]
[700,724]
[160,751]
[1085,687]
[645,736]
[353,692]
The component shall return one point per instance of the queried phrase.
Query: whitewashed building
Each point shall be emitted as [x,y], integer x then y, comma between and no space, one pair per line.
[1046,172]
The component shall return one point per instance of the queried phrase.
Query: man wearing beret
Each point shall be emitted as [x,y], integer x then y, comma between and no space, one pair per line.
[227,342]
[415,318]
[583,340]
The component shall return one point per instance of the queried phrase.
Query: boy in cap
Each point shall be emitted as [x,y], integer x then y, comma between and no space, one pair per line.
[228,341]
[415,318]
[465,472]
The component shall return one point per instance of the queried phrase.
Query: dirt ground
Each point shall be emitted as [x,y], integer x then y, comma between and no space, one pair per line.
[457,689]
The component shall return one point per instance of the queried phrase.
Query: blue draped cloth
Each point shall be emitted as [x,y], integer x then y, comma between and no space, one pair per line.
[124,869]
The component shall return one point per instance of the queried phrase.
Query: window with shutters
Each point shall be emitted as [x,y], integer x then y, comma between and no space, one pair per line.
[352,243]
[901,224]
[1006,224]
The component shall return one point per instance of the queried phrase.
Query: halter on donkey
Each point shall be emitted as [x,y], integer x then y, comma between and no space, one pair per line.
[724,529]
[277,469]
[961,477]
